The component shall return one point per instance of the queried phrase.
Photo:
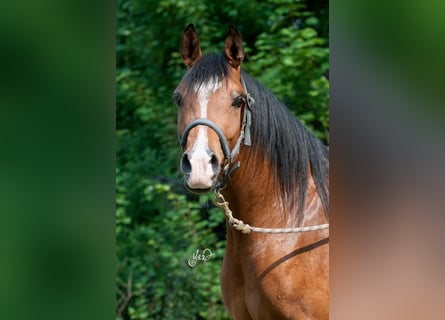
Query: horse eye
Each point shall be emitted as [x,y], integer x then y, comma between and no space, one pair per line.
[177,98]
[239,102]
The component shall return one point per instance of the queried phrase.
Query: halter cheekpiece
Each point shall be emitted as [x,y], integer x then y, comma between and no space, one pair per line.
[244,137]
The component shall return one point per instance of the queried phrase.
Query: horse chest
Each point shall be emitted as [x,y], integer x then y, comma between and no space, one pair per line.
[269,284]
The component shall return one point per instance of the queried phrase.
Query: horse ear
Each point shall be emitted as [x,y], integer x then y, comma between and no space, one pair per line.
[190,49]
[233,47]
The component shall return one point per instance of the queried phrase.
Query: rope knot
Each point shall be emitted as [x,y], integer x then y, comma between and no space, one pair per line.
[240,226]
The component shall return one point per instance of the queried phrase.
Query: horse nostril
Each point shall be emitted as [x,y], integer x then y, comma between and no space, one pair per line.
[186,166]
[214,162]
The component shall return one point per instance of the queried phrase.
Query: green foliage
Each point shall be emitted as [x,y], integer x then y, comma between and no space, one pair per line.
[152,267]
[293,61]
[159,226]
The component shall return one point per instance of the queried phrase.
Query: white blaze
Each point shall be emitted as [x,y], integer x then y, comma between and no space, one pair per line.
[202,171]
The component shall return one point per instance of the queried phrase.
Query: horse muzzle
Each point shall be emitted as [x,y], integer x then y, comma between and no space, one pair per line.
[200,170]
[200,166]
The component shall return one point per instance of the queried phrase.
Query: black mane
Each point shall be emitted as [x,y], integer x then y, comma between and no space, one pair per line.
[290,147]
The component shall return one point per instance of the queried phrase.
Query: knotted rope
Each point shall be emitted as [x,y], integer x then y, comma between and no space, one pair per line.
[246,228]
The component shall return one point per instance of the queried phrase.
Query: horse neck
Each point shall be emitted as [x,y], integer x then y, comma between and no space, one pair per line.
[253,196]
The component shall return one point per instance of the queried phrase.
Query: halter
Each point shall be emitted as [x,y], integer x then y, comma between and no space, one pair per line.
[244,137]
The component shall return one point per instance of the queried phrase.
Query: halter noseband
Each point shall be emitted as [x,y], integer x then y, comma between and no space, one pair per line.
[244,137]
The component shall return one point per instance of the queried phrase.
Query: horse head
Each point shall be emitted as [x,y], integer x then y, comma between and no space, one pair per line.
[212,102]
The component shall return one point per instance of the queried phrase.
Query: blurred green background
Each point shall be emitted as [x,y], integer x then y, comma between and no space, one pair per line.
[159,225]
[56,160]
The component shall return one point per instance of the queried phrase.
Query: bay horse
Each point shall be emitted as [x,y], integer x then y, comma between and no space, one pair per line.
[268,170]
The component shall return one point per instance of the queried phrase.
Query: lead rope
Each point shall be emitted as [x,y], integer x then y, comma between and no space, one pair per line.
[246,228]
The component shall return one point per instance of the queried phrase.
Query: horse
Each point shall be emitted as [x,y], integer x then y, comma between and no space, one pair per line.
[269,173]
